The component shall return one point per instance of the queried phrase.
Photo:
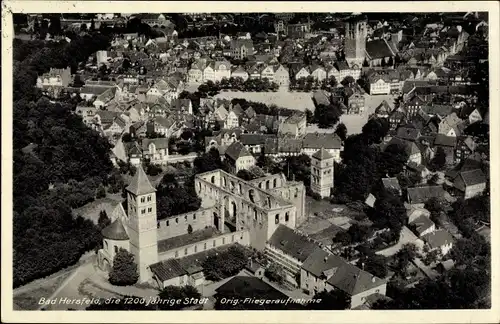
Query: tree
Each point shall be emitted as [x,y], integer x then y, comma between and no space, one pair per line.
[327,115]
[208,161]
[393,160]
[331,300]
[225,264]
[309,116]
[100,192]
[124,271]
[245,175]
[358,233]
[439,160]
[375,130]
[275,273]
[187,135]
[348,81]
[431,257]
[177,294]
[190,229]
[374,264]
[103,220]
[389,211]
[341,131]
[405,256]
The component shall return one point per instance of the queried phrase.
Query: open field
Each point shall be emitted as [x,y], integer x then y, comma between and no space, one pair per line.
[291,100]
[91,211]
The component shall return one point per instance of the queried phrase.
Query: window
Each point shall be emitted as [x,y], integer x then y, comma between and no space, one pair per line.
[287,216]
[177,220]
[185,217]
[213,243]
[149,198]
[143,211]
[150,209]
[223,240]
[158,225]
[195,249]
[232,238]
[194,216]
[277,218]
[185,251]
[168,223]
[205,246]
[176,254]
[116,249]
[143,199]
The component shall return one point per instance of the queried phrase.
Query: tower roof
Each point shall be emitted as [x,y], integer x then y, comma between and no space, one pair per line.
[115,231]
[322,154]
[140,184]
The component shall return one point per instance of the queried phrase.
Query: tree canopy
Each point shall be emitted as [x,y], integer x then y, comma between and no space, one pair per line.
[124,271]
[63,152]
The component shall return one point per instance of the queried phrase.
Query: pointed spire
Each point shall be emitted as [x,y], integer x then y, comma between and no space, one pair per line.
[140,184]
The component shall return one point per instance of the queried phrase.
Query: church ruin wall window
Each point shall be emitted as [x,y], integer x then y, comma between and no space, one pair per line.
[177,220]
[223,240]
[194,216]
[176,254]
[168,223]
[205,246]
[185,251]
[287,216]
[277,218]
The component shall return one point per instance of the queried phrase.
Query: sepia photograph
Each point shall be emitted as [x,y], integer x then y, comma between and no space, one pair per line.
[266,160]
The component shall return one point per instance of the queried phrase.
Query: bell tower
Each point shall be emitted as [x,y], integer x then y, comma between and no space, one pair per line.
[355,41]
[322,165]
[142,222]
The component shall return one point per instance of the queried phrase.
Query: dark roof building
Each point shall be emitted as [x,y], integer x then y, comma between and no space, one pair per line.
[292,243]
[115,231]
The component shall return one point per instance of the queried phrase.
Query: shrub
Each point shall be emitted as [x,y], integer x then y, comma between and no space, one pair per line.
[100,192]
[124,271]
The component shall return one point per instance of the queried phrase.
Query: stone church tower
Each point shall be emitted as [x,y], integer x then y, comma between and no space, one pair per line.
[322,173]
[355,42]
[142,222]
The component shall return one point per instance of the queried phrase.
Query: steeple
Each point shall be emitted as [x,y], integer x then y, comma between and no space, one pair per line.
[140,184]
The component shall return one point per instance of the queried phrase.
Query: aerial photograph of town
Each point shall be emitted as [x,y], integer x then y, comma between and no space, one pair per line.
[251,161]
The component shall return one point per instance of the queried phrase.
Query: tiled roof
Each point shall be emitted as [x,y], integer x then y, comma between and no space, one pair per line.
[422,223]
[140,183]
[443,140]
[473,177]
[237,150]
[322,140]
[408,133]
[378,49]
[391,183]
[438,238]
[339,273]
[254,139]
[322,154]
[115,231]
[420,195]
[160,143]
[292,243]
[167,269]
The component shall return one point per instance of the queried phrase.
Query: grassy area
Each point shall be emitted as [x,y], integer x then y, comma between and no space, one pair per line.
[28,299]
[91,211]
